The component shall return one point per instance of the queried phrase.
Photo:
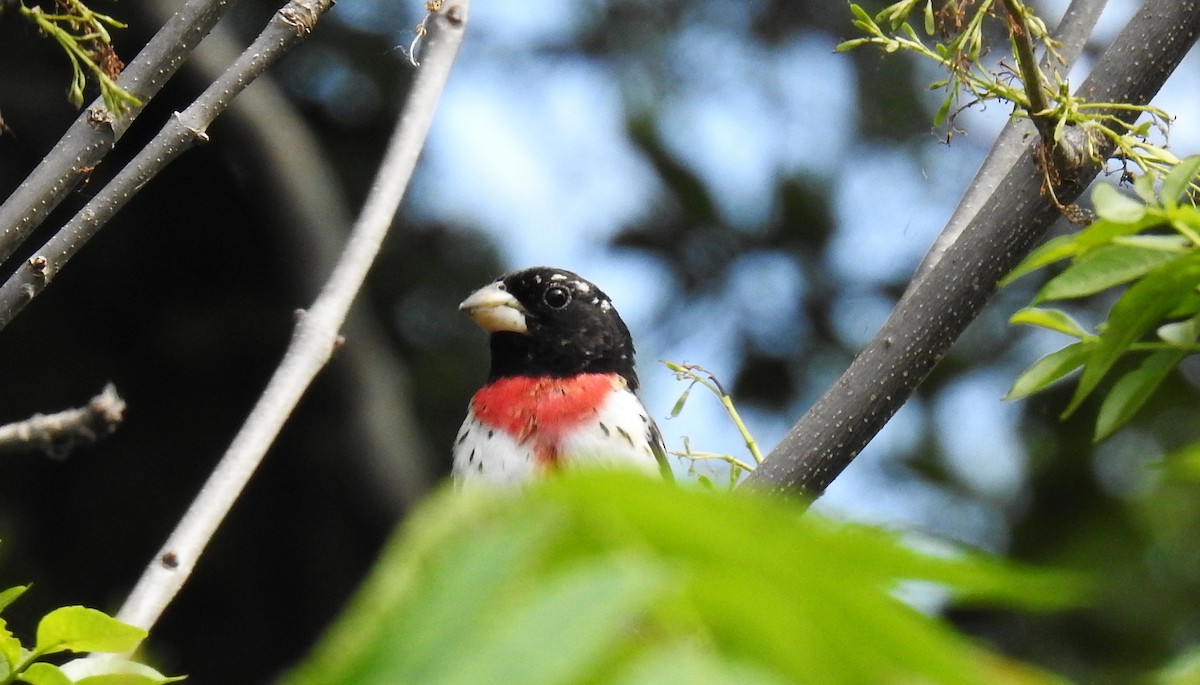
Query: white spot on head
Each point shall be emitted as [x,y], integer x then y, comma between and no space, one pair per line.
[605,305]
[558,277]
[583,286]
[537,279]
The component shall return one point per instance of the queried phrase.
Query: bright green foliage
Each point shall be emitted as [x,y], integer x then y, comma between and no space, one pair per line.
[83,36]
[73,629]
[1151,247]
[613,578]
[953,39]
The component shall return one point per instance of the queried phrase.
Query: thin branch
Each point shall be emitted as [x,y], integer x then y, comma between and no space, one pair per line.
[315,336]
[291,24]
[55,435]
[945,300]
[1072,35]
[97,129]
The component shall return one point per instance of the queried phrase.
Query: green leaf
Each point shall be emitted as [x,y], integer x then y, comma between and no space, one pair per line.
[1115,206]
[44,674]
[1053,250]
[11,594]
[1103,268]
[1133,390]
[681,401]
[1178,179]
[10,648]
[930,24]
[1049,369]
[80,629]
[1054,319]
[480,581]
[114,671]
[847,45]
[1141,308]
[1184,464]
[943,110]
[1144,187]
[1181,333]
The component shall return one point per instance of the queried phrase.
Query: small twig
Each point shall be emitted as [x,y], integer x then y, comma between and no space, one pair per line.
[315,335]
[287,27]
[699,375]
[97,129]
[1072,34]
[55,435]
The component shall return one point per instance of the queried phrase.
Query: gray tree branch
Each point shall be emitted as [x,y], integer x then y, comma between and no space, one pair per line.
[316,334]
[291,24]
[97,130]
[943,302]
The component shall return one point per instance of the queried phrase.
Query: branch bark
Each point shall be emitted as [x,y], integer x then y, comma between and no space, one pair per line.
[97,130]
[316,333]
[55,435]
[949,296]
[291,24]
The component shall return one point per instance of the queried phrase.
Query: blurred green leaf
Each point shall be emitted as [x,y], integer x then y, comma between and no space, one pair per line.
[1116,206]
[80,629]
[1132,390]
[1054,319]
[1102,269]
[1181,333]
[1177,180]
[10,649]
[1049,369]
[45,674]
[1184,463]
[10,595]
[485,581]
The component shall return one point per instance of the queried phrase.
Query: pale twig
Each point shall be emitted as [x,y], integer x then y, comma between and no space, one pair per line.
[287,27]
[96,130]
[57,434]
[315,335]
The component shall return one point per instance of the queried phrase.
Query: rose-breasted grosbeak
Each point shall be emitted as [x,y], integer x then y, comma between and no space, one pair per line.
[560,390]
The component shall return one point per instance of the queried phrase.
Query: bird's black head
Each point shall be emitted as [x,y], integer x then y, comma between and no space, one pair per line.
[551,322]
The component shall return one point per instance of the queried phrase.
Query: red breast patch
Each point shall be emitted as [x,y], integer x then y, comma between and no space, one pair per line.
[542,408]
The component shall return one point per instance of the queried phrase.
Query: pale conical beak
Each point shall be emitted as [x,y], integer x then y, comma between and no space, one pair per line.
[494,309]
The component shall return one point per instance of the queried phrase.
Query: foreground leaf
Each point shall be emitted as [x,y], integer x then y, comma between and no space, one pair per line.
[80,629]
[614,578]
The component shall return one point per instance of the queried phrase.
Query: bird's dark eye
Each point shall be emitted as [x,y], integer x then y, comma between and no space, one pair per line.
[557,297]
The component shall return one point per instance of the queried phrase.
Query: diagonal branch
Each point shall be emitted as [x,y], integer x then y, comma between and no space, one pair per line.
[291,24]
[315,336]
[950,295]
[96,130]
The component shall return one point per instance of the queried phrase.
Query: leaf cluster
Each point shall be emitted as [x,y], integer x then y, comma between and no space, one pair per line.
[73,629]
[603,577]
[1150,247]
[954,40]
[83,35]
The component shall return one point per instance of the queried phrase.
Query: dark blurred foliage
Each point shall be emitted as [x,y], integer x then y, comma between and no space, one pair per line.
[186,300]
